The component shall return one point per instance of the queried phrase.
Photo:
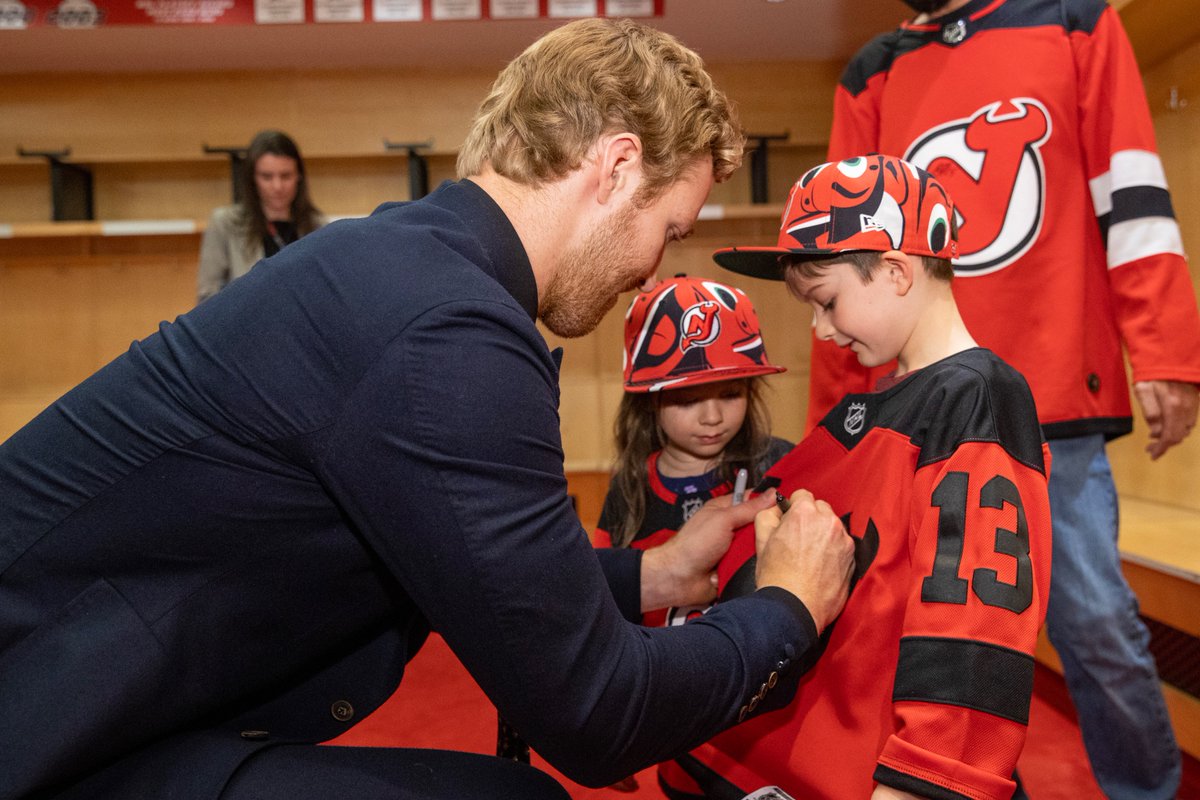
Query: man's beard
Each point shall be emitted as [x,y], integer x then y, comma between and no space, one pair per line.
[589,278]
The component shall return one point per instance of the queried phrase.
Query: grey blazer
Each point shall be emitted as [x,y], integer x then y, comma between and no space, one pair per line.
[224,252]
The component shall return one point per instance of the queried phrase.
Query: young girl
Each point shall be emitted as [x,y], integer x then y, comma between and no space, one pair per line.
[692,415]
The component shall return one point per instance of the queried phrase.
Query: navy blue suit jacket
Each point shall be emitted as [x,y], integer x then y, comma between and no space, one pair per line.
[250,520]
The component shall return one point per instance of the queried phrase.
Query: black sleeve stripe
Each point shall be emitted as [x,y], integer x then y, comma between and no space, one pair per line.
[907,783]
[1136,202]
[965,673]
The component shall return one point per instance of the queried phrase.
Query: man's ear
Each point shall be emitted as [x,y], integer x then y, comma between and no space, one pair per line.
[899,269]
[619,165]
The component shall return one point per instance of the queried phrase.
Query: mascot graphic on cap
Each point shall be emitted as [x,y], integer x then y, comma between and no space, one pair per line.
[876,203]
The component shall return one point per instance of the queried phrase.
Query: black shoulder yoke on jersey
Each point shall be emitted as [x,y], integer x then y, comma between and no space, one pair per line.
[878,55]
[971,396]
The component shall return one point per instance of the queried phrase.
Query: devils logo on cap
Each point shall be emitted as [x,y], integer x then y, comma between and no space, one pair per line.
[699,326]
[691,330]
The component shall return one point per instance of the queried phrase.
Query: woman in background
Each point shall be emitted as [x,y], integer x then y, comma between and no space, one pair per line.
[274,210]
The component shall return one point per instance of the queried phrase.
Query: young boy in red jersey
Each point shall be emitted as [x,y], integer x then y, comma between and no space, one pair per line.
[940,476]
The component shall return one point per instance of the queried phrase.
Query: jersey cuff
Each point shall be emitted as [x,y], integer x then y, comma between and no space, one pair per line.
[914,785]
[903,765]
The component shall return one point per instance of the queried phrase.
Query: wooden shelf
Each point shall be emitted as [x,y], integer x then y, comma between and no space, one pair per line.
[131,227]
[175,227]
[84,158]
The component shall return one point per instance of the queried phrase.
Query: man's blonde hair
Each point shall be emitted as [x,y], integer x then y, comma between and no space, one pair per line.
[596,76]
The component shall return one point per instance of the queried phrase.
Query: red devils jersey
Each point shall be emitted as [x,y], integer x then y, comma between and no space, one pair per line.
[1032,114]
[926,679]
[665,514]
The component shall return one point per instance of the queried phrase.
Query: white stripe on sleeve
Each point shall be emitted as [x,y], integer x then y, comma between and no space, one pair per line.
[1138,238]
[1127,168]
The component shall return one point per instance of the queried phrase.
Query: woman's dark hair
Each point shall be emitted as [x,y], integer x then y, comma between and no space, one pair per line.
[305,215]
[638,435]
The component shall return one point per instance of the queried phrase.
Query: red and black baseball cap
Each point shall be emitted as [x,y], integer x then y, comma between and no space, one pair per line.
[688,331]
[873,202]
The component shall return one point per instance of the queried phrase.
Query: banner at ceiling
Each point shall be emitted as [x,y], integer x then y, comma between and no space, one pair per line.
[19,14]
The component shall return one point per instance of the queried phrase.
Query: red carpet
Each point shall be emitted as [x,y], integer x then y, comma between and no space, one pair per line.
[439,705]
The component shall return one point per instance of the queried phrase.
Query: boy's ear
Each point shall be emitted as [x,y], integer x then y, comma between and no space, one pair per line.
[900,269]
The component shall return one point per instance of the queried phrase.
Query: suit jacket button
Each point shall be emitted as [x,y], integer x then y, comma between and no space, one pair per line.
[342,711]
[255,736]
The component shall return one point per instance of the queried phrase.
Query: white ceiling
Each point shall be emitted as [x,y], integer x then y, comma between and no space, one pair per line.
[721,31]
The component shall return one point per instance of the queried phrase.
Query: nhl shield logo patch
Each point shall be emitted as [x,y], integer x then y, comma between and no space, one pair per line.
[691,506]
[955,32]
[856,417]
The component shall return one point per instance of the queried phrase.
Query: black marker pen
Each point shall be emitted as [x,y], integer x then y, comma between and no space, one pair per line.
[783,503]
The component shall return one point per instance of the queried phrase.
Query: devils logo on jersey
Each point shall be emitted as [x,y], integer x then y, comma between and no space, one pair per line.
[866,547]
[996,152]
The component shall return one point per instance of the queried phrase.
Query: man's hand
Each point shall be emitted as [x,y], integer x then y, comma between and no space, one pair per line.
[1170,410]
[681,572]
[808,552]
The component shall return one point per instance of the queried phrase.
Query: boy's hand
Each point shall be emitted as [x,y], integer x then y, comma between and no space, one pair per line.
[681,571]
[808,552]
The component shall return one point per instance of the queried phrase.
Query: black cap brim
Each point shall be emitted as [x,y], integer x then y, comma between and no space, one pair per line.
[763,262]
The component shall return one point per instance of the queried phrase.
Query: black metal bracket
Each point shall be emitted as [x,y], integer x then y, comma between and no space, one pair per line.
[418,166]
[70,185]
[758,163]
[237,156]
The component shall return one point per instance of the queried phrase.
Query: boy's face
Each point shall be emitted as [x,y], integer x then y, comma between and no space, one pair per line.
[864,317]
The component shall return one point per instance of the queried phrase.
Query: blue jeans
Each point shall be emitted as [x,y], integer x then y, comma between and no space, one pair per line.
[1092,621]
